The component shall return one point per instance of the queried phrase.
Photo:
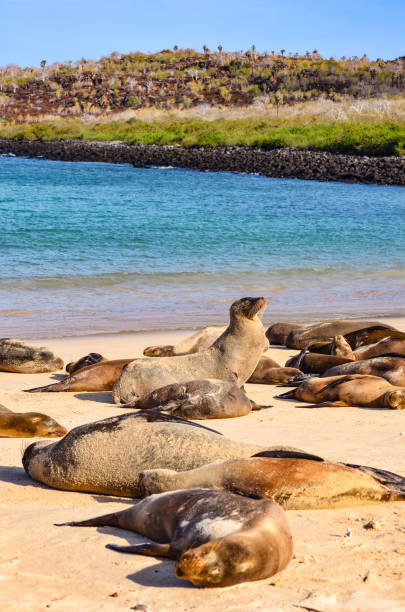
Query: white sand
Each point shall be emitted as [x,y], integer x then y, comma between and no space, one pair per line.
[64,568]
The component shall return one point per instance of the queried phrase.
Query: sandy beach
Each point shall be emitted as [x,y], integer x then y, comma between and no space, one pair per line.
[338,563]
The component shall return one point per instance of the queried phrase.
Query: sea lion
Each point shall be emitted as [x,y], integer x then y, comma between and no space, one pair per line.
[85,361]
[278,332]
[218,538]
[233,356]
[197,399]
[391,367]
[106,456]
[302,338]
[97,377]
[338,346]
[296,484]
[315,363]
[350,390]
[28,425]
[17,356]
[199,341]
[269,372]
[382,347]
[371,335]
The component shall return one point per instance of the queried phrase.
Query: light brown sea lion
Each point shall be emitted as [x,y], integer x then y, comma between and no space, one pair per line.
[278,332]
[85,361]
[371,335]
[197,399]
[233,356]
[382,347]
[106,456]
[296,484]
[218,538]
[17,356]
[97,377]
[269,372]
[315,363]
[199,341]
[302,338]
[28,425]
[350,390]
[391,367]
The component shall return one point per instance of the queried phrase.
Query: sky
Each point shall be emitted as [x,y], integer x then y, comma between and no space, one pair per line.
[60,30]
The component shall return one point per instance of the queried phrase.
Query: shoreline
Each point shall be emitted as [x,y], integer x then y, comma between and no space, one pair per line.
[277,163]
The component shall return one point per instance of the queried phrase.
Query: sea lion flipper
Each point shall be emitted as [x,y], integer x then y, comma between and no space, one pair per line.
[336,404]
[288,453]
[287,395]
[334,383]
[43,389]
[394,482]
[151,549]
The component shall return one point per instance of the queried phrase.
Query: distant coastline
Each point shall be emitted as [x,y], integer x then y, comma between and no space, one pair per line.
[277,163]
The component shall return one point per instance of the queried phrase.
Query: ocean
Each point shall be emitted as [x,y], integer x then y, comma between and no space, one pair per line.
[95,248]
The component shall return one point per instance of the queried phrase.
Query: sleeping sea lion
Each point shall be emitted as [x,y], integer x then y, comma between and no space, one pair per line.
[371,335]
[350,390]
[269,372]
[382,347]
[278,332]
[233,356]
[199,341]
[338,346]
[197,399]
[218,538]
[315,363]
[391,367]
[302,338]
[28,425]
[17,356]
[106,456]
[296,484]
[85,361]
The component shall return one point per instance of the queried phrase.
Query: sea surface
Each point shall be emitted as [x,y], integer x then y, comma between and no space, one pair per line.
[92,248]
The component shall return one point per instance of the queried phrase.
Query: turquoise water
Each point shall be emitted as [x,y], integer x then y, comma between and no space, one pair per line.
[91,248]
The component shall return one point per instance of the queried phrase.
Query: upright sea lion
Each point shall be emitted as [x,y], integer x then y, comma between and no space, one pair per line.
[106,456]
[315,363]
[233,356]
[97,377]
[278,332]
[218,538]
[391,367]
[382,347]
[350,390]
[269,372]
[302,338]
[197,399]
[199,341]
[17,356]
[296,484]
[28,425]
[85,361]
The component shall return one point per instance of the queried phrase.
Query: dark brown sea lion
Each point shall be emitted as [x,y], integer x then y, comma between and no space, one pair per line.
[371,335]
[338,346]
[85,361]
[384,346]
[296,484]
[233,357]
[315,363]
[97,377]
[391,367]
[199,341]
[302,338]
[107,456]
[197,399]
[350,390]
[17,356]
[278,332]
[269,372]
[28,425]
[218,538]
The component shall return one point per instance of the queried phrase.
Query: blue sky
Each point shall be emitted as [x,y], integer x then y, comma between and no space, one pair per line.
[58,30]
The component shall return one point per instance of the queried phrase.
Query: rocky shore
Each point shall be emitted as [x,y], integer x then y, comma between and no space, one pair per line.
[279,163]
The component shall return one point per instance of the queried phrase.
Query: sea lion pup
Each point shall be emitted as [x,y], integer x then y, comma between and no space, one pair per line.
[199,341]
[391,367]
[351,390]
[233,356]
[83,362]
[197,399]
[315,363]
[269,372]
[28,425]
[97,377]
[106,456]
[17,356]
[382,347]
[218,538]
[278,332]
[296,484]
[302,338]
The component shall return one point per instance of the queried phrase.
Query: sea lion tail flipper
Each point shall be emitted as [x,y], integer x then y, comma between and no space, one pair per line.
[287,395]
[394,482]
[295,381]
[335,404]
[152,549]
[255,406]
[107,520]
[300,359]
[41,389]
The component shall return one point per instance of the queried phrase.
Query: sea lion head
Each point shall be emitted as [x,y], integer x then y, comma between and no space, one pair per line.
[247,308]
[395,399]
[166,350]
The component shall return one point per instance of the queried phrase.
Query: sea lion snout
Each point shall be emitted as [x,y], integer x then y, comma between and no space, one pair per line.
[248,307]
[202,566]
[395,399]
